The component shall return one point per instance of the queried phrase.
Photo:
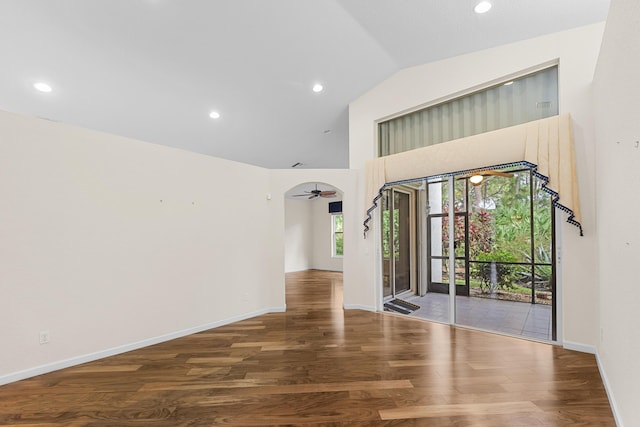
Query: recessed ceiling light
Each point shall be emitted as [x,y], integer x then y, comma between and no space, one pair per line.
[508,83]
[482,7]
[214,115]
[317,88]
[42,87]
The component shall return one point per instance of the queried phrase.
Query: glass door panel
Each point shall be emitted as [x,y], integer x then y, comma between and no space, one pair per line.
[438,225]
[436,302]
[402,242]
[509,247]
[438,255]
[397,240]
[387,243]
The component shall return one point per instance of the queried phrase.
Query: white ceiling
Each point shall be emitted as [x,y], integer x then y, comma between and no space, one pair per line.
[154,69]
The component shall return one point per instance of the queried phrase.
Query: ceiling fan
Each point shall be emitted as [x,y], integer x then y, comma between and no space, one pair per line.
[316,193]
[477,177]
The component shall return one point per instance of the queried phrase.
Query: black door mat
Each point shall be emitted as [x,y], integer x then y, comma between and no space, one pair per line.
[405,304]
[395,308]
[400,306]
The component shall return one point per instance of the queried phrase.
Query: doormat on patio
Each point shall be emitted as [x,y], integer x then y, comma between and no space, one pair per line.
[400,306]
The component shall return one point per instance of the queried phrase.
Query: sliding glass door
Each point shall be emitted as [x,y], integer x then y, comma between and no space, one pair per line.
[438,238]
[486,251]
[397,242]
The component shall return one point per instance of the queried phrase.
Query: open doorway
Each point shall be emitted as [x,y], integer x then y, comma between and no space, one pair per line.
[313,228]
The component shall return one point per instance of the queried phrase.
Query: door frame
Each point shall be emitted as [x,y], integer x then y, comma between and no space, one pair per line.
[413,230]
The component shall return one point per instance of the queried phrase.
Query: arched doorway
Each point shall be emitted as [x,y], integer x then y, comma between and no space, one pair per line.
[313,227]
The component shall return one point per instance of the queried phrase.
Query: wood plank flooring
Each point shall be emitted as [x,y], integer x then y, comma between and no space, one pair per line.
[319,365]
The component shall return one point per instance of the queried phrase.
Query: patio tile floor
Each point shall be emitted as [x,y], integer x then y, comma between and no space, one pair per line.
[514,318]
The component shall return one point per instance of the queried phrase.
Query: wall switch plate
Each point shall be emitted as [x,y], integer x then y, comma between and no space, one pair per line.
[44,337]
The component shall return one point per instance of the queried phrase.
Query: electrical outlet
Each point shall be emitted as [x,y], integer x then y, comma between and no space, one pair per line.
[44,337]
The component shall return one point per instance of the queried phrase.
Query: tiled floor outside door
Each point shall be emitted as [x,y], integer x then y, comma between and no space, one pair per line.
[514,318]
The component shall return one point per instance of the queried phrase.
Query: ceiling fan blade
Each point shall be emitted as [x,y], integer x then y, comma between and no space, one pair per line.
[316,193]
[489,172]
[498,173]
[328,196]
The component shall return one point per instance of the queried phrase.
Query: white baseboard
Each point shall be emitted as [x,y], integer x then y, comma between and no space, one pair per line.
[77,360]
[607,388]
[584,348]
[569,345]
[359,307]
[282,309]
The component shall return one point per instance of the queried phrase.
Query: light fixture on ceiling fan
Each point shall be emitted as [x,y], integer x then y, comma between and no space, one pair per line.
[317,193]
[478,177]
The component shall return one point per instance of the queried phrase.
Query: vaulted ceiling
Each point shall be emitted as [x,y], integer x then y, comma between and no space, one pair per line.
[155,69]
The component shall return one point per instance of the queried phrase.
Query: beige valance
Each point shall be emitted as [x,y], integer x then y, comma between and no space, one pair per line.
[545,145]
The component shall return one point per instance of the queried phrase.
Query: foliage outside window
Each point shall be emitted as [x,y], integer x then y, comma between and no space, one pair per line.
[386,232]
[501,254]
[337,223]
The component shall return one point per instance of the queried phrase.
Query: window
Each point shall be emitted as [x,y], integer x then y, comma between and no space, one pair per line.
[521,100]
[337,239]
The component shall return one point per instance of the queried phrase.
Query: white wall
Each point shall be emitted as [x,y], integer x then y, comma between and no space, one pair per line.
[617,101]
[322,237]
[298,235]
[109,243]
[577,52]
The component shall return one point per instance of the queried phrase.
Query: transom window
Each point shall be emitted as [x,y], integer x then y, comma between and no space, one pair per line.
[517,101]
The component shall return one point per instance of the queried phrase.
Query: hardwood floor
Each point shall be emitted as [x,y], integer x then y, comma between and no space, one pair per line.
[319,365]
